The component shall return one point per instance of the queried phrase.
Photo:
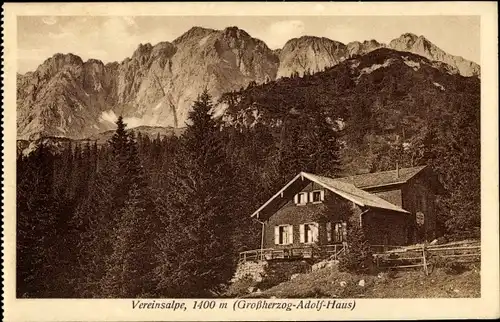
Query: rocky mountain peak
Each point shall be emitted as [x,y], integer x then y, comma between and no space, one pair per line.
[372,42]
[57,63]
[360,48]
[235,32]
[64,59]
[406,41]
[94,62]
[310,54]
[409,35]
[310,41]
[157,84]
[424,47]
[143,50]
[193,33]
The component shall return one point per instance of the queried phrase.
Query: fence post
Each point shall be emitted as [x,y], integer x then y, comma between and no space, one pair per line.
[424,262]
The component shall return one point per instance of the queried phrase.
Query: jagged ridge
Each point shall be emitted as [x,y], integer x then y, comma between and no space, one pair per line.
[68,97]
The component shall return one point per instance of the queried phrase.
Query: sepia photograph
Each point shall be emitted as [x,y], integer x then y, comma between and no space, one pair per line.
[248,157]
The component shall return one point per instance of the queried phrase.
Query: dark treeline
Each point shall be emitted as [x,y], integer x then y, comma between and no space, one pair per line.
[141,217]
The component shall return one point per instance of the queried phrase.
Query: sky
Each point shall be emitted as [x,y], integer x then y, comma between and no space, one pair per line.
[113,38]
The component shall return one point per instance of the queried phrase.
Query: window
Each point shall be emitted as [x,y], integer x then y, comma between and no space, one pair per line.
[309,233]
[317,196]
[283,235]
[337,235]
[301,198]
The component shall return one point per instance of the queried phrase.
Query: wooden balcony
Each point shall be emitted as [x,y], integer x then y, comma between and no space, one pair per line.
[293,252]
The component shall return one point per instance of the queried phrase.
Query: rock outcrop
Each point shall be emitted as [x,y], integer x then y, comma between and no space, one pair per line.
[154,87]
[310,55]
[421,46]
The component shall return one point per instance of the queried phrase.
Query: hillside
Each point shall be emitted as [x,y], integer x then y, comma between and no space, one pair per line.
[327,283]
[378,102]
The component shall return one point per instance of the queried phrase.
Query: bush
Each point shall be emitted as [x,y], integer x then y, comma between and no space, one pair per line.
[279,272]
[454,268]
[392,273]
[437,261]
[240,287]
[358,257]
[315,292]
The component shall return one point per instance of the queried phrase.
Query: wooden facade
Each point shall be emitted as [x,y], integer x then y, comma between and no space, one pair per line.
[313,213]
[418,196]
[330,218]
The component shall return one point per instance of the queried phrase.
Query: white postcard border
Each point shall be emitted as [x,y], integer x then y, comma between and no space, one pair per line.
[370,309]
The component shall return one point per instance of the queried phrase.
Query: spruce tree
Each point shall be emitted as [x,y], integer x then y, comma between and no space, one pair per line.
[130,265]
[202,206]
[36,225]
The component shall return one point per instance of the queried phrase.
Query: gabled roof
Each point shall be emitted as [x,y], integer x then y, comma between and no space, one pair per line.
[384,178]
[352,193]
[344,189]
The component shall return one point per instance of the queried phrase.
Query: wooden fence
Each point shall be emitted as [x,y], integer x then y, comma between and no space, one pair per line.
[305,252]
[427,256]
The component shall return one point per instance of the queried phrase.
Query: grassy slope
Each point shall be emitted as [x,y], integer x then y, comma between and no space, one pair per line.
[405,284]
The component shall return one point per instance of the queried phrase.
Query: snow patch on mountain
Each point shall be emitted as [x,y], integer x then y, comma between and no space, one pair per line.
[374,67]
[413,64]
[354,64]
[441,87]
[157,106]
[203,40]
[108,116]
[219,110]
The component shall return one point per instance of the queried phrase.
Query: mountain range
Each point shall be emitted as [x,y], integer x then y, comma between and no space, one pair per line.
[68,97]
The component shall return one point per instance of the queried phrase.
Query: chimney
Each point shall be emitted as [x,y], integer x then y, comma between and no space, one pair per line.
[397,169]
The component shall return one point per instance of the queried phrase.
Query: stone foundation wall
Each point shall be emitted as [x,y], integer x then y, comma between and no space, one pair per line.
[253,270]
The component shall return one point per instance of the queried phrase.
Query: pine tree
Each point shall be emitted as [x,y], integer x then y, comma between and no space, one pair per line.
[36,225]
[130,265]
[202,206]
[310,145]
[93,224]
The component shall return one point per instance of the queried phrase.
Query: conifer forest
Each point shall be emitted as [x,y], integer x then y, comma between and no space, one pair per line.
[166,216]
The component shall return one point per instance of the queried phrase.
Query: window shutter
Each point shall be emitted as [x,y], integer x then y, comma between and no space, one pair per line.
[296,198]
[322,195]
[329,231]
[302,234]
[305,198]
[276,235]
[311,197]
[290,234]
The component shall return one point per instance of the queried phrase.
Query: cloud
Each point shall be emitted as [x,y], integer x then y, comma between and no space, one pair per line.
[49,20]
[278,33]
[129,20]
[343,33]
[107,38]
